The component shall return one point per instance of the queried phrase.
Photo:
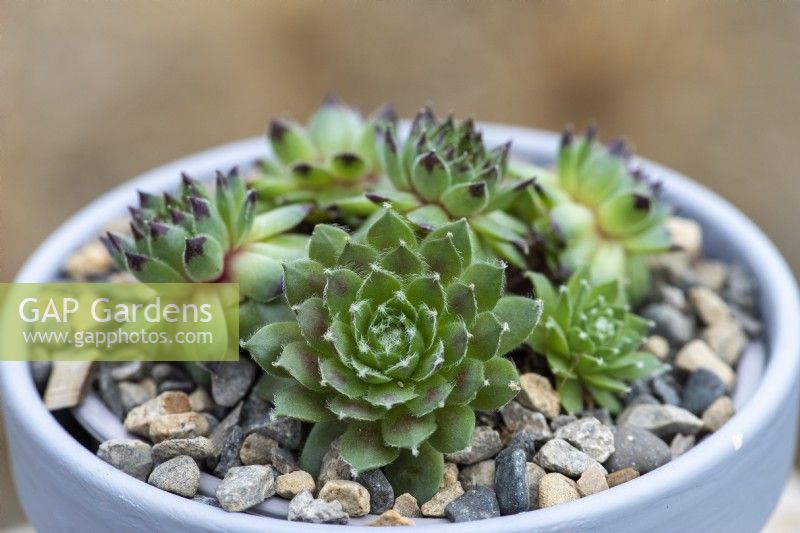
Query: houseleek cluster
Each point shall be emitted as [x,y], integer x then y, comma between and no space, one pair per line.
[389,325]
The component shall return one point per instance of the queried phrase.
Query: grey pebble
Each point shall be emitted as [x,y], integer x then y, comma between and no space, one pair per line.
[671,323]
[132,456]
[180,475]
[485,444]
[229,455]
[475,504]
[381,494]
[661,420]
[198,448]
[245,486]
[589,436]
[304,508]
[109,392]
[207,500]
[561,421]
[516,418]
[232,380]
[130,371]
[666,389]
[478,475]
[525,440]
[701,389]
[558,455]
[511,481]
[638,449]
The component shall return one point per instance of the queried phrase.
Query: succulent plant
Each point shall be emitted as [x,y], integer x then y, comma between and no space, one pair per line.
[590,339]
[213,236]
[594,210]
[443,172]
[331,159]
[398,339]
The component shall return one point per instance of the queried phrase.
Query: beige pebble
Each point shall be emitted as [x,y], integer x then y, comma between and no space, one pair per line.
[698,354]
[727,339]
[656,345]
[391,518]
[685,234]
[592,481]
[353,496]
[534,474]
[407,505]
[720,411]
[435,506]
[201,401]
[290,485]
[139,418]
[91,260]
[538,394]
[709,306]
[178,426]
[621,476]
[555,489]
[712,274]
[478,475]
[256,449]
[450,475]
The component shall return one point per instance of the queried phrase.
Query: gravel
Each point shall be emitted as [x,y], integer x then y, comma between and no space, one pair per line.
[232,380]
[304,508]
[229,454]
[139,418]
[110,393]
[589,436]
[407,505]
[555,489]
[353,497]
[198,448]
[592,481]
[558,455]
[526,441]
[511,481]
[701,389]
[517,418]
[290,485]
[178,426]
[435,506]
[621,476]
[478,475]
[132,456]
[534,473]
[381,494]
[637,448]
[180,475]
[245,486]
[698,354]
[475,504]
[718,413]
[485,444]
[666,389]
[681,444]
[670,323]
[537,393]
[662,420]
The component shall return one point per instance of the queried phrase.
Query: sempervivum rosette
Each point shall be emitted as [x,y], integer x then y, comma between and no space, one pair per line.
[330,159]
[202,235]
[398,339]
[591,340]
[594,210]
[442,172]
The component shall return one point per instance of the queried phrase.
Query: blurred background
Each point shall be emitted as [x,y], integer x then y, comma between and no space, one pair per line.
[92,94]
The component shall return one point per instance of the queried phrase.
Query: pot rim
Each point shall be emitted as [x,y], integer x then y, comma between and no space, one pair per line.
[772,274]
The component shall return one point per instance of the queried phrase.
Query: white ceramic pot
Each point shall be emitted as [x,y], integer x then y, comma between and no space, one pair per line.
[729,482]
